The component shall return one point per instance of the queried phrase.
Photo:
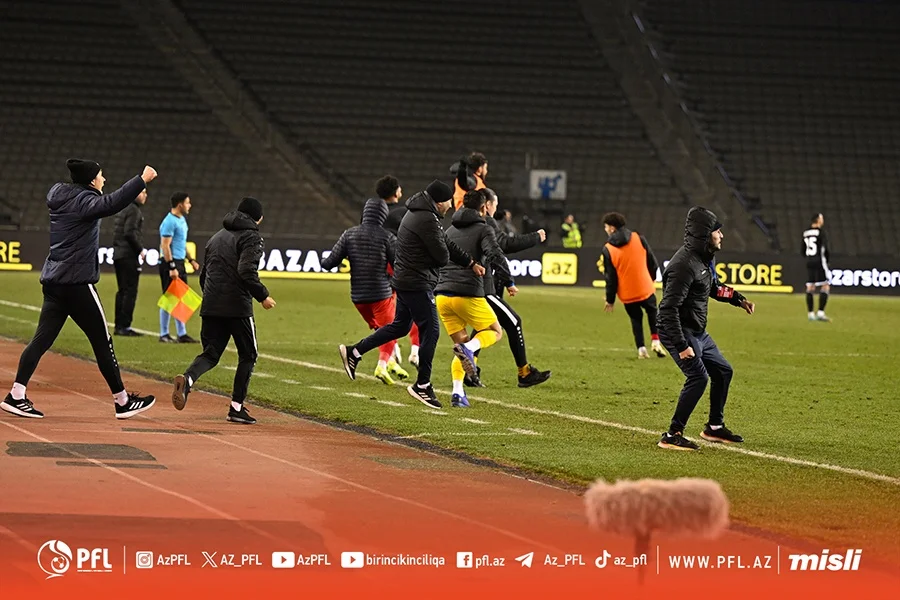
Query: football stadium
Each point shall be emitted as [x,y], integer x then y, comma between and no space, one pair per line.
[407,298]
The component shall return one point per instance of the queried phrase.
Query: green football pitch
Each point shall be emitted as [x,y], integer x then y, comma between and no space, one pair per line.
[816,402]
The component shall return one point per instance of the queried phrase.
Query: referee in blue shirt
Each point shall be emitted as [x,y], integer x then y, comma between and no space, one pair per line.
[173,233]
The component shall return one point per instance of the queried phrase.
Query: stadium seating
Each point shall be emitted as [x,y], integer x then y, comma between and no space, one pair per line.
[800,98]
[84,82]
[407,87]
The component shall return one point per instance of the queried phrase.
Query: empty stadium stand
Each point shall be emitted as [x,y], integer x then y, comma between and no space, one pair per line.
[799,97]
[407,87]
[82,81]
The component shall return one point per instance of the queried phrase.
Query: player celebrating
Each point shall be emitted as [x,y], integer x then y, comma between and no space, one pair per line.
[370,249]
[818,275]
[630,269]
[460,292]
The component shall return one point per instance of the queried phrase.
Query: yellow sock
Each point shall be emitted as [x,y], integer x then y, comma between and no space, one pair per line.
[524,371]
[456,370]
[487,338]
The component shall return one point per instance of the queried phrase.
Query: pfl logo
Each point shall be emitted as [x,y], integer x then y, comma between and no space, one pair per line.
[55,559]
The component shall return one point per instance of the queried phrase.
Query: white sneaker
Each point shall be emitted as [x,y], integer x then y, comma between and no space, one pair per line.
[657,348]
[398,354]
[642,352]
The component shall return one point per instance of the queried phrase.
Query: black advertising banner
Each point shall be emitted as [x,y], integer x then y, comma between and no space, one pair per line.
[293,259]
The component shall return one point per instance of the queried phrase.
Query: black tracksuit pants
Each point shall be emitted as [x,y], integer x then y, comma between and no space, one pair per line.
[412,307]
[82,303]
[707,365]
[511,323]
[635,312]
[214,335]
[128,275]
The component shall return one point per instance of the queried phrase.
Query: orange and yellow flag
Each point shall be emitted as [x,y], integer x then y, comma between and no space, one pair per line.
[180,301]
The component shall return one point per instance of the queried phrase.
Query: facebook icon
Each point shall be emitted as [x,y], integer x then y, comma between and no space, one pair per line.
[463,560]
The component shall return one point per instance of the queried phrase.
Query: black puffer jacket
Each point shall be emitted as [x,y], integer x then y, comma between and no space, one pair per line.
[690,280]
[370,249]
[470,232]
[396,212]
[75,213]
[423,247]
[128,239]
[509,244]
[229,277]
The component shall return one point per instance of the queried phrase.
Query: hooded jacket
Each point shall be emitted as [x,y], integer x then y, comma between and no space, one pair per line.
[637,282]
[689,281]
[470,232]
[128,238]
[229,277]
[509,244]
[423,247]
[75,213]
[370,249]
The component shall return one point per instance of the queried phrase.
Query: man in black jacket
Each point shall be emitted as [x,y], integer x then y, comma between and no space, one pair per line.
[509,319]
[422,249]
[689,281]
[230,282]
[128,251]
[388,189]
[460,292]
[370,250]
[68,279]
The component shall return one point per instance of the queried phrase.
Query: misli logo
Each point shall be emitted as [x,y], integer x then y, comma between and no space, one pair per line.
[54,558]
[826,561]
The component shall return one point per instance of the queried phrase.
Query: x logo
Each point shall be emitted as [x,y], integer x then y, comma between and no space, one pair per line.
[210,560]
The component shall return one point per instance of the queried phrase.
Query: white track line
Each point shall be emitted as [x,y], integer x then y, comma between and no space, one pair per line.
[476,421]
[355,395]
[582,419]
[523,431]
[278,459]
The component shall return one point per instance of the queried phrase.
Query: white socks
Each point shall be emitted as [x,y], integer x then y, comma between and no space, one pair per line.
[474,345]
[18,391]
[458,387]
[382,363]
[414,351]
[121,398]
[715,427]
[356,353]
[237,406]
[821,313]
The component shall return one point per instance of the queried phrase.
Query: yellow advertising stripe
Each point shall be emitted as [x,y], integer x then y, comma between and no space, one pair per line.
[775,289]
[296,275]
[15,267]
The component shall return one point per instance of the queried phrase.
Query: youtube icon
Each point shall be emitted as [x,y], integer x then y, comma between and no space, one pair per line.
[353,560]
[283,560]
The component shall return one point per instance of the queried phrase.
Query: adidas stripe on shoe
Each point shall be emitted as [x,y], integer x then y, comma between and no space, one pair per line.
[136,405]
[21,408]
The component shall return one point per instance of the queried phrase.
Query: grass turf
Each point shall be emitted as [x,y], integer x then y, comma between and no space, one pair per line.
[809,391]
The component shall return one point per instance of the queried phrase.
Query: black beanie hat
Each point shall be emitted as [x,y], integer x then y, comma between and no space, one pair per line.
[82,171]
[439,191]
[251,207]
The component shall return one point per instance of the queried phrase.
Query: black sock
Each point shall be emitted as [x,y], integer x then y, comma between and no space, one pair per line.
[823,300]
[809,301]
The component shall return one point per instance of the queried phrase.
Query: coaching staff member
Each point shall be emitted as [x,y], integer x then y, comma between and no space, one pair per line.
[128,250]
[68,277]
[689,281]
[230,283]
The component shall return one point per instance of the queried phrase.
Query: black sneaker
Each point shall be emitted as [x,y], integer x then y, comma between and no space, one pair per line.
[167,339]
[186,339]
[424,395]
[469,382]
[723,435]
[21,408]
[240,416]
[534,377]
[181,391]
[136,405]
[676,441]
[127,332]
[350,361]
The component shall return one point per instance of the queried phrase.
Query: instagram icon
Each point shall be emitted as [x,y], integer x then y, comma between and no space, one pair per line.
[143,560]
